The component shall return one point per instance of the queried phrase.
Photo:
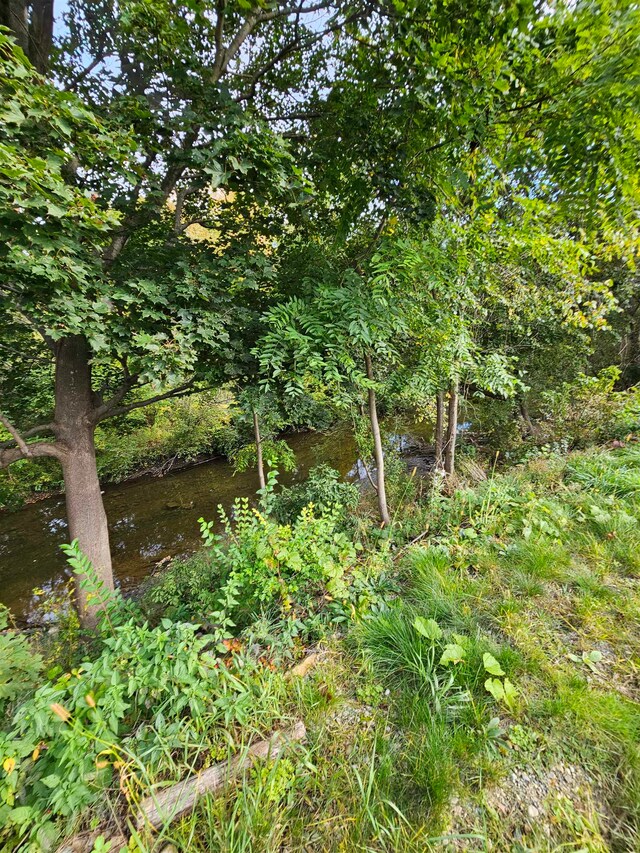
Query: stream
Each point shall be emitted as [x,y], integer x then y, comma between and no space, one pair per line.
[151,518]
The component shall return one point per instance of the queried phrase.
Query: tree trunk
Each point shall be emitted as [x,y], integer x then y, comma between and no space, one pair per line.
[41,34]
[31,24]
[14,14]
[530,427]
[377,447]
[452,430]
[75,427]
[439,431]
[258,440]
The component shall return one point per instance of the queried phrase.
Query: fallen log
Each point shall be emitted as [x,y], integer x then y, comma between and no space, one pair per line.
[168,805]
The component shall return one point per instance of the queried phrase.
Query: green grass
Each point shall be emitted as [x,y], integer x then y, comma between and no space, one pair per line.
[547,577]
[529,578]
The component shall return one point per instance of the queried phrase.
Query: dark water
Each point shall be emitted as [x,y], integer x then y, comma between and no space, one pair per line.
[152,518]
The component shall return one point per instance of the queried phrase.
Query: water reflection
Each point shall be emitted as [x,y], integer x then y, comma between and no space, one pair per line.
[152,518]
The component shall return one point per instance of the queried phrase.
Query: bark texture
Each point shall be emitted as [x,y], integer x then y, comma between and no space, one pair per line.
[377,447]
[75,426]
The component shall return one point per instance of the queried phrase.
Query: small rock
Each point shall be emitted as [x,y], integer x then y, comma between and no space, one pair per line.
[533,812]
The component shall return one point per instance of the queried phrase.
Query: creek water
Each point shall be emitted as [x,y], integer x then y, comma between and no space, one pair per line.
[151,518]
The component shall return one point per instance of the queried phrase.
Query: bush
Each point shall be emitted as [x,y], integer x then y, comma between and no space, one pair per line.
[180,429]
[19,665]
[291,569]
[590,410]
[324,490]
[150,694]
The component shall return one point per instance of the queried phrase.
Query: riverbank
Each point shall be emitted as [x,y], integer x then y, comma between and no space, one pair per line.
[475,690]
[173,434]
[150,518]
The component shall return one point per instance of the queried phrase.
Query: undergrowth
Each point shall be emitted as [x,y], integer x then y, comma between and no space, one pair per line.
[478,689]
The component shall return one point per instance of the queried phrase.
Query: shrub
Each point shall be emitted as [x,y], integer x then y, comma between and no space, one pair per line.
[589,409]
[276,453]
[19,665]
[149,694]
[324,489]
[292,569]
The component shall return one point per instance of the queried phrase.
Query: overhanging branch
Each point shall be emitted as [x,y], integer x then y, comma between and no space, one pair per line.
[181,391]
[19,440]
[8,455]
[38,449]
[40,429]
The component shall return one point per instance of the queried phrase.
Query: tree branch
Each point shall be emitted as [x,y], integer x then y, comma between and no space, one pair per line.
[19,440]
[219,57]
[38,449]
[29,433]
[8,455]
[180,391]
[80,76]
[220,66]
[105,409]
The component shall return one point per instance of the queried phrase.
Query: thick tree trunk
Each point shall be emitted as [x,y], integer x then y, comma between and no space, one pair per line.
[75,427]
[439,431]
[14,14]
[41,34]
[377,447]
[258,440]
[31,24]
[452,430]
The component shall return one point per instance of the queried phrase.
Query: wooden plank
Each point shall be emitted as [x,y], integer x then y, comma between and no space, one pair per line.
[160,808]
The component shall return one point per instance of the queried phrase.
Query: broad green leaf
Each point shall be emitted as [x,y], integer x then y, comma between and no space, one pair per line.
[491,664]
[429,628]
[510,693]
[494,686]
[453,653]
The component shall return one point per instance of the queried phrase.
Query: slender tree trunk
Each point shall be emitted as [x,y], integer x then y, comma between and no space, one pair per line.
[258,440]
[377,447]
[531,428]
[452,429]
[439,431]
[75,429]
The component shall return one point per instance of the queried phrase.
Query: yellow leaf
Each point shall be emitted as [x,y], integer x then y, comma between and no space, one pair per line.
[8,764]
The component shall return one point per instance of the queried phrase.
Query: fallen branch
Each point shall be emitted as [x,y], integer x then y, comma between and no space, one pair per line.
[163,807]
[306,665]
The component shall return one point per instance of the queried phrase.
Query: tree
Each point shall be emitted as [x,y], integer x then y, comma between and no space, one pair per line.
[156,108]
[342,331]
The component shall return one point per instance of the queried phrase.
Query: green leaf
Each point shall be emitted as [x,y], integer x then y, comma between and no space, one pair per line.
[494,686]
[491,664]
[453,653]
[429,628]
[510,693]
[21,814]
